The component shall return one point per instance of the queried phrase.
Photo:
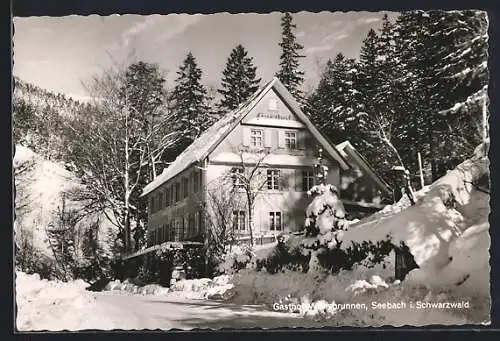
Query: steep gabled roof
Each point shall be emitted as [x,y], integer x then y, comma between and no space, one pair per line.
[346,148]
[213,136]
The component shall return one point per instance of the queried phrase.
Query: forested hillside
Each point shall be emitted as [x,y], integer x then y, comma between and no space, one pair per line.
[420,85]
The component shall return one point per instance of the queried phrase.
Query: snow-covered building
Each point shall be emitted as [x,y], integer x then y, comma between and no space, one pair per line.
[271,135]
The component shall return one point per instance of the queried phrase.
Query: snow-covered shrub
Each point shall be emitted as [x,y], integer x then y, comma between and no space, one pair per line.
[325,211]
[284,256]
[366,252]
[240,257]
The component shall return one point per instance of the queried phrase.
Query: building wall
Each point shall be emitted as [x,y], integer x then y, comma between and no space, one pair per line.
[291,199]
[357,186]
[174,220]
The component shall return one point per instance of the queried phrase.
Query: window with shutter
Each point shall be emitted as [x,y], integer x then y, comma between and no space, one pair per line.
[256,137]
[290,139]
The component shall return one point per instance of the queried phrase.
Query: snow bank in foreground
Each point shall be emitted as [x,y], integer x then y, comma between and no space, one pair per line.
[200,288]
[357,298]
[126,286]
[43,304]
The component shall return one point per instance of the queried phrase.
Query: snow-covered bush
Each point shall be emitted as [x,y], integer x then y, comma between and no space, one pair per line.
[284,256]
[240,257]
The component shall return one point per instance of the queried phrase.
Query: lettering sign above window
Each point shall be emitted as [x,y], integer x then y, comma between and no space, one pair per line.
[276,116]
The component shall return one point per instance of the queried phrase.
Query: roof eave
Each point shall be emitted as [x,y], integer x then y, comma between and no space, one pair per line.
[330,147]
[371,172]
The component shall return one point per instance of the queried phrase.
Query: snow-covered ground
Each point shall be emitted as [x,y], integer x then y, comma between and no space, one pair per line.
[54,306]
[446,231]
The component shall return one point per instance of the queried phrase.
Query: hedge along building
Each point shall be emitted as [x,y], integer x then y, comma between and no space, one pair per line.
[267,143]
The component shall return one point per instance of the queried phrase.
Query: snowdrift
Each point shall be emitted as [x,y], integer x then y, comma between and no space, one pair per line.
[201,288]
[43,304]
[446,231]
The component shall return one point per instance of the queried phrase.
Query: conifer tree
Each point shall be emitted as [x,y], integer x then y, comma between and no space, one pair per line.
[289,73]
[239,80]
[189,100]
[332,105]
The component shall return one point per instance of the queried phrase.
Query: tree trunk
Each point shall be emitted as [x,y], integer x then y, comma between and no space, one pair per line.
[250,219]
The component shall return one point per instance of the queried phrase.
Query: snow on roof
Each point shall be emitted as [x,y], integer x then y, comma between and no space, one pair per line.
[346,145]
[202,146]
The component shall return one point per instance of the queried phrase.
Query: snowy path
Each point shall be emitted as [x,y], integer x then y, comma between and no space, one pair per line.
[122,311]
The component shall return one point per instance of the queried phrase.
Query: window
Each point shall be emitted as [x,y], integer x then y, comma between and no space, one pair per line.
[275,221]
[290,139]
[256,137]
[172,198]
[177,191]
[162,234]
[171,231]
[160,201]
[177,230]
[191,224]
[196,222]
[273,104]
[196,183]
[307,180]
[237,175]
[239,220]
[273,179]
[167,197]
[185,187]
[152,204]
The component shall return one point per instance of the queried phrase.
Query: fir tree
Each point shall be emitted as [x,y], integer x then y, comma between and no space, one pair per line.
[289,73]
[189,100]
[331,106]
[239,80]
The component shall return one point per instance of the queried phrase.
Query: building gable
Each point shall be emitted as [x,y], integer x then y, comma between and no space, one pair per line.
[201,148]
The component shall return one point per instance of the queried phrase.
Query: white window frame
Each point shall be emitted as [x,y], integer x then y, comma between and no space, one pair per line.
[256,137]
[290,138]
[239,220]
[236,174]
[274,218]
[307,180]
[273,179]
